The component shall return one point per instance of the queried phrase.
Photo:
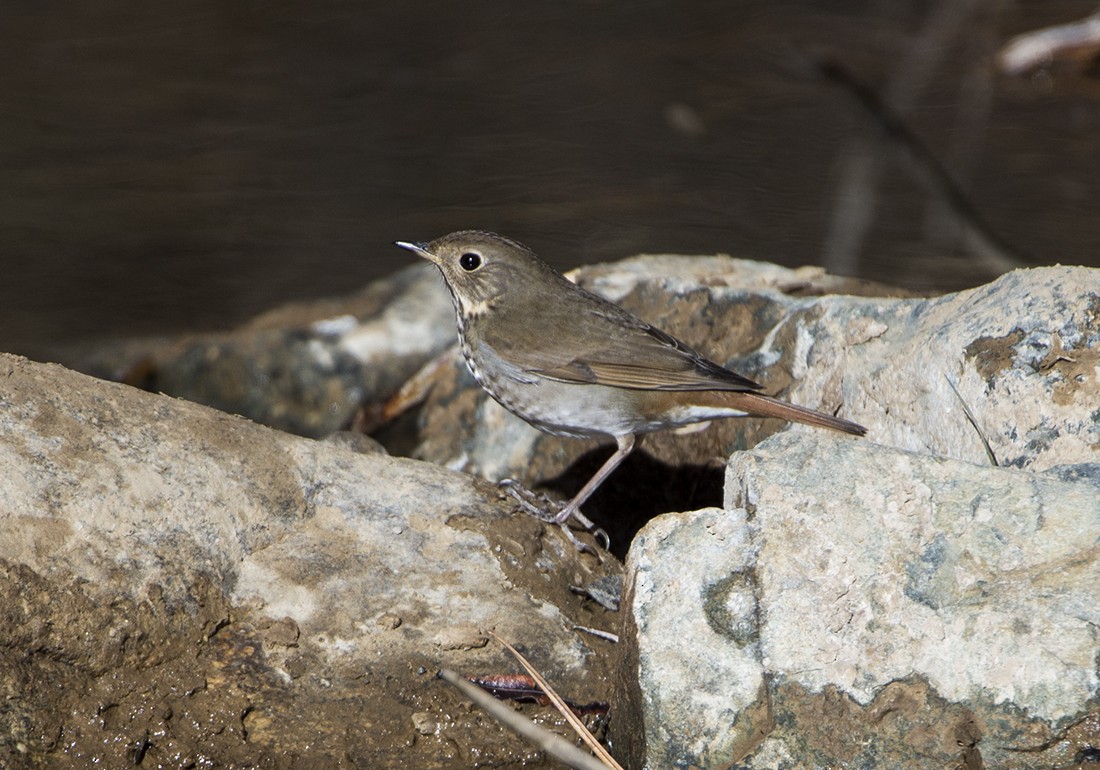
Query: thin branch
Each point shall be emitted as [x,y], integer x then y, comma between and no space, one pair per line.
[606,635]
[540,737]
[574,721]
[973,423]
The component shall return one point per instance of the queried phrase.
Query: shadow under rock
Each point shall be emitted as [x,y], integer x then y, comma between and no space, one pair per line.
[639,489]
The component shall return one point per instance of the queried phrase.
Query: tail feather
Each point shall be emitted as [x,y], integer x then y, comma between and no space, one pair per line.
[766,406]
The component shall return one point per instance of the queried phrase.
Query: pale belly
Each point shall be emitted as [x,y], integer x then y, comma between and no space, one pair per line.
[582,410]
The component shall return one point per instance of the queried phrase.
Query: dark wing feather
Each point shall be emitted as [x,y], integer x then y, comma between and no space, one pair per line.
[606,345]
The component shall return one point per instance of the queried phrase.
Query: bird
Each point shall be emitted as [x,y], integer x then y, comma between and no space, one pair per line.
[574,364]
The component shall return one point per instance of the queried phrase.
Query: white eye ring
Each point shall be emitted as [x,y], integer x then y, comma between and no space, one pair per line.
[470,261]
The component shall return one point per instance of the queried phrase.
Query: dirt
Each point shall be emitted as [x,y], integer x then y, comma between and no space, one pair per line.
[94,682]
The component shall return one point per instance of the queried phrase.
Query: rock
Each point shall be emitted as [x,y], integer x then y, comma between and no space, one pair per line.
[304,368]
[355,442]
[1023,354]
[893,601]
[180,586]
[856,605]
[692,639]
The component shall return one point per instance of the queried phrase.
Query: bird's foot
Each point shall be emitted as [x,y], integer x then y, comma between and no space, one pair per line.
[542,507]
[551,511]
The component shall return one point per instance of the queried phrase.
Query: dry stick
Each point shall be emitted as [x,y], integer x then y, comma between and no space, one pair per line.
[599,633]
[540,737]
[973,423]
[574,721]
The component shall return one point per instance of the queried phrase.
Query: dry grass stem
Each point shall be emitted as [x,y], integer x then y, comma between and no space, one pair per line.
[973,423]
[540,737]
[574,721]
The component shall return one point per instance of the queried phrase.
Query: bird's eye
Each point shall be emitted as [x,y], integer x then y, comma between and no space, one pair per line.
[470,261]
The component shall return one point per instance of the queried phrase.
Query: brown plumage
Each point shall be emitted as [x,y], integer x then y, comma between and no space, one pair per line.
[571,363]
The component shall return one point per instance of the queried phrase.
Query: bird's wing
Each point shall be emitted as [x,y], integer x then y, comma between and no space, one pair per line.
[609,346]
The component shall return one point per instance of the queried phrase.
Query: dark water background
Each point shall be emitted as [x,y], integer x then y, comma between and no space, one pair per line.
[169,167]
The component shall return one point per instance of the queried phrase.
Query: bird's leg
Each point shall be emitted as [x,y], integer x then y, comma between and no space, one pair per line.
[527,499]
[626,446]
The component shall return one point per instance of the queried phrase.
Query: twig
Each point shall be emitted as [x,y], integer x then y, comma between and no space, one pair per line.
[973,423]
[574,721]
[540,737]
[605,635]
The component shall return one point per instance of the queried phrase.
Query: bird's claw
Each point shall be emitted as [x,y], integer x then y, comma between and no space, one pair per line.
[550,511]
[536,504]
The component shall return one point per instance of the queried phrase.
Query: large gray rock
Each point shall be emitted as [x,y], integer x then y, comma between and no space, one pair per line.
[923,584]
[1023,352]
[183,586]
[931,611]
[305,368]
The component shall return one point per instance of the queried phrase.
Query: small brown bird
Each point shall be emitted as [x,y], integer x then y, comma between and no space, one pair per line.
[573,364]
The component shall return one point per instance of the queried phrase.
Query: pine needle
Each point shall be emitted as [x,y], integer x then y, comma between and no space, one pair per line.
[973,423]
[540,737]
[574,721]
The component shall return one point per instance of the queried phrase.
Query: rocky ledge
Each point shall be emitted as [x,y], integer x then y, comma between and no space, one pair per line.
[183,587]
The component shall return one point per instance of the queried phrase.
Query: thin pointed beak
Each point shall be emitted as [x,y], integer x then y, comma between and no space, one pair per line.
[420,249]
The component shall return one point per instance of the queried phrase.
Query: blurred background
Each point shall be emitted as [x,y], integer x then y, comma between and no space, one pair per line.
[172,167]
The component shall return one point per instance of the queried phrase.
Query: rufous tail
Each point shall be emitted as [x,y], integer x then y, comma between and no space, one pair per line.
[765,406]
